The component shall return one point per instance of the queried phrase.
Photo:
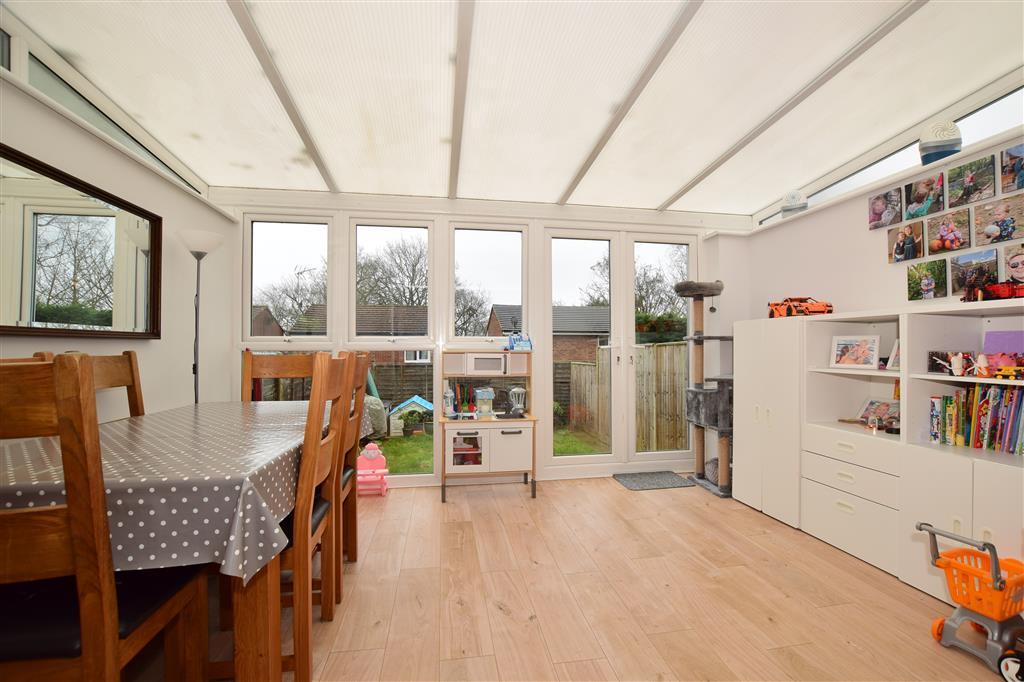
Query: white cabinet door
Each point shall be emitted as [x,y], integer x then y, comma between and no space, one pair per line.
[518,364]
[747,445]
[781,380]
[999,506]
[454,364]
[465,450]
[937,488]
[485,364]
[511,448]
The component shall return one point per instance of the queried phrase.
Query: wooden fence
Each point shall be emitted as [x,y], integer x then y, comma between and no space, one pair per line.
[661,375]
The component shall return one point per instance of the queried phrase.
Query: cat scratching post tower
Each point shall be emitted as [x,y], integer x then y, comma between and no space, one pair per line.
[708,401]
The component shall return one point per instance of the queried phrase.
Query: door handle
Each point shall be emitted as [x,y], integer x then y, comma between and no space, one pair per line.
[846,476]
[843,445]
[511,433]
[467,433]
[845,507]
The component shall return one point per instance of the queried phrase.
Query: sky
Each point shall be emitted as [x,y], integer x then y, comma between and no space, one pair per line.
[488,260]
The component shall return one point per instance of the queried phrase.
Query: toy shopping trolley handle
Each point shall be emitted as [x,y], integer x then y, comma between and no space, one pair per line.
[997,577]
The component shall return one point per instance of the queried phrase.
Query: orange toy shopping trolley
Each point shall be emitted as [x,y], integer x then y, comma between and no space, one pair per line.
[990,595]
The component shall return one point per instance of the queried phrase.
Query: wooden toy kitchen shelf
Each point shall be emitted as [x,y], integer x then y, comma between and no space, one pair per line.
[479,439]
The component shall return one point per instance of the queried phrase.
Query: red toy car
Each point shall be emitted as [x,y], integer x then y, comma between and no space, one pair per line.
[990,292]
[794,307]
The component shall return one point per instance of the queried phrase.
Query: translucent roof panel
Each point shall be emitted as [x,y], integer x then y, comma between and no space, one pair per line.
[184,72]
[897,84]
[373,81]
[736,63]
[545,79]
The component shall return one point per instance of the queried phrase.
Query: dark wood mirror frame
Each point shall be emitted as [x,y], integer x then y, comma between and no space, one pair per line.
[155,253]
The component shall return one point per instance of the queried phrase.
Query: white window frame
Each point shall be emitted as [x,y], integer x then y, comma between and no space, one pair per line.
[417,360]
[286,342]
[366,342]
[484,226]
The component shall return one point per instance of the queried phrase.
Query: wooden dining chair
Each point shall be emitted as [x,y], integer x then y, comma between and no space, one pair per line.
[120,371]
[39,356]
[348,529]
[64,613]
[255,367]
[311,525]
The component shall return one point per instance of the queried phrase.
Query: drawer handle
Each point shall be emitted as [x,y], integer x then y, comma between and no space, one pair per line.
[511,433]
[845,507]
[846,476]
[843,445]
[467,433]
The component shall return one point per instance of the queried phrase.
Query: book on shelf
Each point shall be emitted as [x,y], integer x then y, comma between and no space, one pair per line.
[980,417]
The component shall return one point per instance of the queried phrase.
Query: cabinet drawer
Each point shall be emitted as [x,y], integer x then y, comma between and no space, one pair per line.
[511,448]
[878,452]
[867,483]
[465,450]
[866,530]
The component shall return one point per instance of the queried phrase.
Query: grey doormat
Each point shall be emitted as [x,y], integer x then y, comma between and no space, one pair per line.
[654,480]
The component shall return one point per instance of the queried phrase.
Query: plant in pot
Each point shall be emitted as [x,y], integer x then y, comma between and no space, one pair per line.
[428,422]
[410,420]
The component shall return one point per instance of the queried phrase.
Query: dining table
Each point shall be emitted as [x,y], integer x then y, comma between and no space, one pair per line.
[200,484]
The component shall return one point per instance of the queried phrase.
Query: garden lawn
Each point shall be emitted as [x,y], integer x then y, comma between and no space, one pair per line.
[409,454]
[567,442]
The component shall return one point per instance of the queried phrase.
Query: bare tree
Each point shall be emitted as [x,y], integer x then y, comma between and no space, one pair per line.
[75,261]
[471,310]
[396,275]
[291,297]
[652,285]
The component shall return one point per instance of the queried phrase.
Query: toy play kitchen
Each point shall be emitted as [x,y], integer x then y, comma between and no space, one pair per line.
[488,429]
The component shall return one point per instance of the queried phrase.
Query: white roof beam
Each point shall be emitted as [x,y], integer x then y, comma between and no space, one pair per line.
[678,26]
[901,15]
[464,39]
[259,48]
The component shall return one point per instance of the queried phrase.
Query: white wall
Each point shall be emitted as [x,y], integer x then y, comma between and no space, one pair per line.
[827,253]
[39,131]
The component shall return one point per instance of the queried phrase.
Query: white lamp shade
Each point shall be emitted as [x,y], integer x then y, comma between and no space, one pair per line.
[200,242]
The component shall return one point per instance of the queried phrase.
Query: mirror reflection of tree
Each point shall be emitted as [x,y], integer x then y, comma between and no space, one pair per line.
[74,269]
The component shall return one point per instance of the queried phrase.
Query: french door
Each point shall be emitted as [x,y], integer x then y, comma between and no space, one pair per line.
[615,358]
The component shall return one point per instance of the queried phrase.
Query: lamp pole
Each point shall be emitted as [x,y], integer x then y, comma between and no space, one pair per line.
[199,255]
[199,243]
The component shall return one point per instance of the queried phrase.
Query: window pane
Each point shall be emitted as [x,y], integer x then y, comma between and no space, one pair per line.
[392,270]
[488,282]
[5,50]
[76,290]
[904,159]
[999,116]
[660,355]
[400,401]
[289,279]
[53,86]
[581,328]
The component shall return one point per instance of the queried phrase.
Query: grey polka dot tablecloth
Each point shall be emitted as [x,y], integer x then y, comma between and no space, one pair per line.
[206,483]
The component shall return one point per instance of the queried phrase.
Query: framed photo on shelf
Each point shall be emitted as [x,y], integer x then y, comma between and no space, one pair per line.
[999,221]
[906,242]
[885,209]
[975,269]
[894,356]
[885,411]
[923,197]
[972,181]
[1013,263]
[949,232]
[1012,168]
[854,352]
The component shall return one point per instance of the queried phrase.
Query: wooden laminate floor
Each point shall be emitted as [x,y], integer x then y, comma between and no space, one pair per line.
[593,582]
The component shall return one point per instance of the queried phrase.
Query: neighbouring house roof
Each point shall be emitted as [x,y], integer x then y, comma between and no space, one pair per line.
[413,401]
[581,320]
[391,320]
[264,323]
[313,322]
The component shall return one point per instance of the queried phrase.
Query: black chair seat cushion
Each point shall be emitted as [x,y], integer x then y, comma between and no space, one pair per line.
[39,619]
[320,509]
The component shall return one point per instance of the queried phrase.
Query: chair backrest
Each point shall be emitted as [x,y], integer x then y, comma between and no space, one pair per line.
[39,356]
[59,398]
[291,366]
[321,451]
[355,417]
[120,371]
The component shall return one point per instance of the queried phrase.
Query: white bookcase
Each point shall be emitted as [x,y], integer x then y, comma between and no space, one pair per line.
[862,491]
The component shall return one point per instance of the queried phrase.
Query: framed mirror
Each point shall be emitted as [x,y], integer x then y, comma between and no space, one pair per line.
[74,260]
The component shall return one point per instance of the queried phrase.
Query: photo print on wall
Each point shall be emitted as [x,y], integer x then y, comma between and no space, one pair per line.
[949,232]
[1013,263]
[906,242]
[927,280]
[975,269]
[1012,167]
[972,181]
[1001,220]
[885,209]
[923,197]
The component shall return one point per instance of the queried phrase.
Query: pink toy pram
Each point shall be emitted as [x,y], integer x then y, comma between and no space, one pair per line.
[371,471]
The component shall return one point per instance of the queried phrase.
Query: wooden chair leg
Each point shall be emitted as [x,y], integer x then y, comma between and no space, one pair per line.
[328,562]
[225,613]
[187,638]
[302,619]
[339,547]
[350,523]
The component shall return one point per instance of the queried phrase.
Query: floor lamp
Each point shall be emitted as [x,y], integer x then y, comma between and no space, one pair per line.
[199,243]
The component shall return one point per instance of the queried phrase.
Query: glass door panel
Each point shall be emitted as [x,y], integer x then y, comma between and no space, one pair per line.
[581,312]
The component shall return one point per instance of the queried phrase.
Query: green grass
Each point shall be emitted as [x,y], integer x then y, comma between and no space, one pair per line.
[409,454]
[566,442]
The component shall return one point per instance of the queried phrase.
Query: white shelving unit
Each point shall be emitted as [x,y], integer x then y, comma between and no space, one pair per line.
[862,491]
